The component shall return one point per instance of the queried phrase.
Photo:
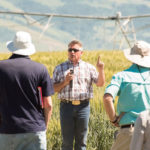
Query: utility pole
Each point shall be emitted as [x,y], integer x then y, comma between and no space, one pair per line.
[122,30]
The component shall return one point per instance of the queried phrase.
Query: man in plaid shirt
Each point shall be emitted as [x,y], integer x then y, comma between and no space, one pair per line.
[73,81]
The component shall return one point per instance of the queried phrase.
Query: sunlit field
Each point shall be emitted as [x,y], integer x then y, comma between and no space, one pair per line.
[100,135]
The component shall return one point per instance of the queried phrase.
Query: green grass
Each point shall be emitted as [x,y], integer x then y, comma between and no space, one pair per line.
[100,134]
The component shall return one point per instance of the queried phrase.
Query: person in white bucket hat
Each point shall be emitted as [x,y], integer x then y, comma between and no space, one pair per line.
[132,87]
[24,117]
[139,54]
[22,44]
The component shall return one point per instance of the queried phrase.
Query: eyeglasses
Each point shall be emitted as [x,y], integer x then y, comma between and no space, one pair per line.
[73,49]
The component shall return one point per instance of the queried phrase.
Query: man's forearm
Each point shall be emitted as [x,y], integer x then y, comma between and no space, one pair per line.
[109,107]
[59,86]
[101,78]
[47,114]
[101,75]
[47,103]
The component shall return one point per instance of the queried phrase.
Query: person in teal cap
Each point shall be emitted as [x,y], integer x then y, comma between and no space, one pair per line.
[132,86]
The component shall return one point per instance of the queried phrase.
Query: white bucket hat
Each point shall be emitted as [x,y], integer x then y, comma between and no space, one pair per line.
[139,54]
[22,44]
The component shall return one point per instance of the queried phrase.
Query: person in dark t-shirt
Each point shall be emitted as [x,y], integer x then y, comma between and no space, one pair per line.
[24,119]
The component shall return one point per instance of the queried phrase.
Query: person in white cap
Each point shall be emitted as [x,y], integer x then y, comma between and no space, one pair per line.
[132,87]
[73,80]
[24,117]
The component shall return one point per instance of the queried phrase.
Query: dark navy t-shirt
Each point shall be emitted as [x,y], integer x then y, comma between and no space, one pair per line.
[20,103]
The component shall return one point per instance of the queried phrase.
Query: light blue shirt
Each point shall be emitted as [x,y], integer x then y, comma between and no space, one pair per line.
[133,88]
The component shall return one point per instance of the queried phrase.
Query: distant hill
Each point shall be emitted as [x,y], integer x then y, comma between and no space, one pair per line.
[94,34]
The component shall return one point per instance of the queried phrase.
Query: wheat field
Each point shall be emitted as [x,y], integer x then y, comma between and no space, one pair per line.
[100,134]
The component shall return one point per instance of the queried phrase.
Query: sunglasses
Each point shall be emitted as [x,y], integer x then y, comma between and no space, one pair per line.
[73,49]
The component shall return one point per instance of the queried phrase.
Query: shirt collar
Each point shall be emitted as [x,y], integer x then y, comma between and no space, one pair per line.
[72,63]
[13,56]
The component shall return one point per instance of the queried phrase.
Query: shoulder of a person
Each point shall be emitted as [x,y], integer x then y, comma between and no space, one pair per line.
[124,72]
[61,65]
[118,74]
[5,62]
[132,68]
[38,64]
[87,63]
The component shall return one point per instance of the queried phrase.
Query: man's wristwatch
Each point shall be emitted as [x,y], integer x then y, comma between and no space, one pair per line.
[115,121]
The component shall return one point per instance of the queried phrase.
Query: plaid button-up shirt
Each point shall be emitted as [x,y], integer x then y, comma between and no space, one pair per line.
[84,75]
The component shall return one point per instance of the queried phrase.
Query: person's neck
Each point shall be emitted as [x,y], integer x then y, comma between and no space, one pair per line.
[74,63]
[18,56]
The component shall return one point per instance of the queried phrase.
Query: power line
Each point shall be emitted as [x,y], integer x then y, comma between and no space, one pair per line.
[75,16]
[118,18]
